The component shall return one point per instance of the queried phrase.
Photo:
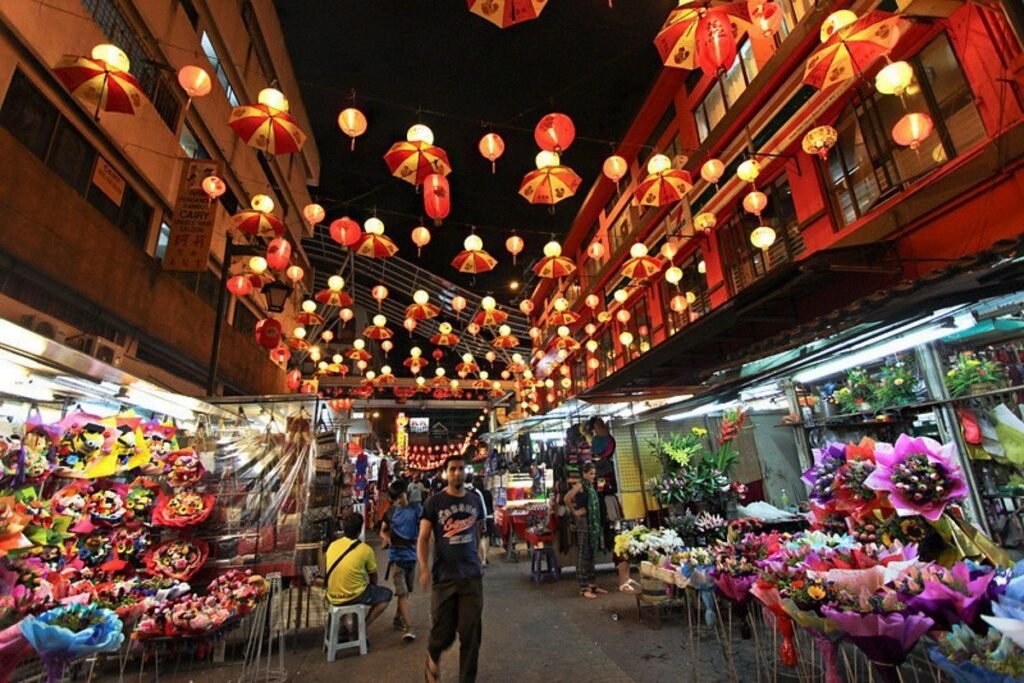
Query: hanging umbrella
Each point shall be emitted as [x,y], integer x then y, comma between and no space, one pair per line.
[473,261]
[490,318]
[310,319]
[549,185]
[566,344]
[677,39]
[666,187]
[642,267]
[464,369]
[414,161]
[385,379]
[505,13]
[415,364]
[270,130]
[513,367]
[378,332]
[850,51]
[554,267]
[365,391]
[100,84]
[376,246]
[358,355]
[330,297]
[257,223]
[422,311]
[507,341]
[440,382]
[335,369]
[445,339]
[563,318]
[403,392]
[297,344]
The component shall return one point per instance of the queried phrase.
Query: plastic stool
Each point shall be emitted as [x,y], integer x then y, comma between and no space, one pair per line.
[333,625]
[544,565]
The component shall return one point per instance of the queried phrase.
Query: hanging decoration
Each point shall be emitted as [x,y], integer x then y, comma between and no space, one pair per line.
[379,294]
[716,41]
[437,201]
[505,339]
[313,213]
[374,244]
[352,123]
[473,259]
[468,366]
[279,253]
[195,81]
[596,250]
[762,237]
[554,133]
[415,362]
[912,129]
[358,351]
[505,13]
[101,80]
[819,141]
[550,183]
[345,231]
[663,185]
[894,78]
[268,333]
[561,314]
[214,187]
[748,170]
[712,170]
[346,314]
[554,265]
[421,308]
[258,221]
[489,314]
[766,18]
[850,48]
[526,306]
[445,336]
[615,168]
[416,158]
[267,126]
[333,297]
[640,266]
[421,238]
[491,148]
[754,202]
[514,245]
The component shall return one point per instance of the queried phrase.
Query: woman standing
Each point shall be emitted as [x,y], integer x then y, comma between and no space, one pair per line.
[582,499]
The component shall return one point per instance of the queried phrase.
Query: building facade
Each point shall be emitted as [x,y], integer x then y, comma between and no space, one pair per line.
[88,199]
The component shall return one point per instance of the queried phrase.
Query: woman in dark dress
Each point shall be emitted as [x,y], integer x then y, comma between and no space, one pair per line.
[583,501]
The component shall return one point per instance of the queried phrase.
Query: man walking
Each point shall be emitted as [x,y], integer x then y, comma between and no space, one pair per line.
[454,519]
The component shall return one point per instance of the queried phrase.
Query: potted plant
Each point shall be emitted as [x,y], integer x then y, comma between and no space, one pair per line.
[971,374]
[895,385]
[855,394]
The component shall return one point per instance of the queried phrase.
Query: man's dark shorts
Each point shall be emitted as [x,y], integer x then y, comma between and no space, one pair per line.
[373,595]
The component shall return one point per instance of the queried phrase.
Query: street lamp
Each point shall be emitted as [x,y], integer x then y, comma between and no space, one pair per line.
[277,294]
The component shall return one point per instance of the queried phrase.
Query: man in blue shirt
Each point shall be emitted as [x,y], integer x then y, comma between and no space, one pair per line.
[399,530]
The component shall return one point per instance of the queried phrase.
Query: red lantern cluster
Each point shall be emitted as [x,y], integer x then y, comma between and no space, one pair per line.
[437,200]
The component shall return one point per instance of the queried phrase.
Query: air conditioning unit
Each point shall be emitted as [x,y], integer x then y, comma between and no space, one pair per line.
[101,349]
[44,327]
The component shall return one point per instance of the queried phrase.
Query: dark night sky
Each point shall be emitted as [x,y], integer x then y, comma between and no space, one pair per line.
[593,63]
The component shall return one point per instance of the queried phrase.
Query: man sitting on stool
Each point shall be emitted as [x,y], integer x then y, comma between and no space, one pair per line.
[352,572]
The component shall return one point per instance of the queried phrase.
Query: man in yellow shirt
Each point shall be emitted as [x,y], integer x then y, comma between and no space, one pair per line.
[352,571]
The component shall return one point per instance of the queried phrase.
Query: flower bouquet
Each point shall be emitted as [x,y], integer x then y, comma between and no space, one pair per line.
[177,558]
[696,565]
[186,468]
[123,598]
[71,501]
[968,657]
[183,508]
[66,633]
[104,506]
[766,590]
[802,598]
[1008,608]
[194,615]
[141,498]
[948,596]
[13,520]
[895,385]
[919,476]
[242,589]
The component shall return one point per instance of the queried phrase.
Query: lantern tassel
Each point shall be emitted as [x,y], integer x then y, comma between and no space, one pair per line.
[494,167]
[352,147]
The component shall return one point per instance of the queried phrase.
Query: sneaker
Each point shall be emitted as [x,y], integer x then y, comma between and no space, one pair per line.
[398,623]
[408,636]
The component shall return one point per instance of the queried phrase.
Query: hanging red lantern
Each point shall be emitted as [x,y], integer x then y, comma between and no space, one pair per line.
[214,187]
[345,231]
[280,354]
[295,273]
[239,285]
[515,245]
[458,304]
[913,129]
[294,380]
[554,133]
[767,17]
[438,354]
[592,301]
[526,306]
[313,213]
[712,170]
[678,303]
[352,123]
[492,147]
[194,81]
[437,201]
[716,42]
[346,314]
[279,253]
[379,293]
[268,333]
[615,168]
[420,237]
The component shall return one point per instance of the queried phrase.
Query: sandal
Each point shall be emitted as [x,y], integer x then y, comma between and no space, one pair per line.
[587,594]
[433,673]
[597,590]
[631,587]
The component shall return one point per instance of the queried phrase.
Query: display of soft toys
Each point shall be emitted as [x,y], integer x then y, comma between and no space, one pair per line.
[178,558]
[184,508]
[185,468]
[141,498]
[71,501]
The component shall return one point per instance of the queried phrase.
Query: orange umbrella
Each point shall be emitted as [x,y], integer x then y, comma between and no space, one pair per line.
[566,344]
[379,333]
[310,319]
[414,161]
[505,13]
[554,267]
[422,311]
[376,246]
[445,339]
[298,344]
[850,50]
[666,187]
[415,364]
[642,267]
[505,342]
[439,382]
[677,39]
[333,298]
[385,379]
[464,369]
[473,261]
[549,185]
[100,84]
[257,223]
[490,318]
[358,355]
[563,318]
[270,130]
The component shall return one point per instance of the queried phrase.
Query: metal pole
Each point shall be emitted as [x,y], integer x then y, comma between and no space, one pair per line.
[218,321]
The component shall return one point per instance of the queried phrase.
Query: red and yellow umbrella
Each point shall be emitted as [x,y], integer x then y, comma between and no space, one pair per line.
[386,379]
[566,344]
[563,318]
[505,13]
[365,391]
[506,341]
[269,130]
[554,267]
[297,344]
[464,369]
[330,297]
[310,319]
[666,187]
[515,368]
[378,332]
[415,364]
[98,83]
[376,246]
[403,392]
[414,161]
[440,382]
[445,339]
[358,355]
[549,185]
[677,39]
[850,50]
[257,223]
[422,311]
[490,318]
[335,369]
[473,261]
[642,267]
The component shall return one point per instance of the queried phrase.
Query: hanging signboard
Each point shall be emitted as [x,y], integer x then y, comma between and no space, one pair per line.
[188,245]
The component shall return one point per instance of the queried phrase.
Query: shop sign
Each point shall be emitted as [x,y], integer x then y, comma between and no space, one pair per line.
[419,425]
[108,181]
[188,245]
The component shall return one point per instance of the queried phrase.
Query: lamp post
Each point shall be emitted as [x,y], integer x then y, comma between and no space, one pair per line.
[276,293]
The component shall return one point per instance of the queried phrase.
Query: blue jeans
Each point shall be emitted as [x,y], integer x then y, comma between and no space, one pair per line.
[373,595]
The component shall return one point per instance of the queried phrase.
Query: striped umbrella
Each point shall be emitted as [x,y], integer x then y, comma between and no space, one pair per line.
[310,319]
[270,130]
[415,364]
[666,187]
[403,392]
[297,344]
[850,51]
[464,369]
[100,84]
[414,161]
[490,318]
[258,223]
[440,382]
[445,339]
[378,332]
[506,341]
[563,318]
[554,267]
[385,379]
[677,39]
[376,246]
[330,297]
[422,311]
[473,261]
[642,267]
[505,13]
[358,355]
[549,185]
[566,344]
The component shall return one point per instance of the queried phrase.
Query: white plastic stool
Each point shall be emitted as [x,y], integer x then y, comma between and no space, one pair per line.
[333,626]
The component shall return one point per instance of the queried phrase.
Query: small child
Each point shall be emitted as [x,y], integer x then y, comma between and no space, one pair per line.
[400,529]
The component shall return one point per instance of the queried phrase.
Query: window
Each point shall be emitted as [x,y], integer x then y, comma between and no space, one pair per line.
[640,325]
[71,156]
[218,68]
[620,231]
[245,320]
[191,144]
[725,91]
[694,283]
[189,7]
[162,239]
[205,285]
[866,166]
[28,115]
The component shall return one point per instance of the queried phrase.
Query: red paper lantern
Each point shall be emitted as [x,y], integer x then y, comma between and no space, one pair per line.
[458,303]
[596,251]
[294,380]
[239,285]
[913,129]
[437,200]
[767,18]
[716,42]
[526,306]
[379,292]
[295,273]
[279,253]
[268,333]
[592,301]
[615,168]
[515,245]
[345,231]
[438,354]
[492,147]
[194,81]
[214,187]
[313,213]
[280,354]
[554,133]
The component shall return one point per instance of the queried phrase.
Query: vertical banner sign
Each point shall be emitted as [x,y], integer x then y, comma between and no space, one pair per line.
[188,246]
[402,437]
